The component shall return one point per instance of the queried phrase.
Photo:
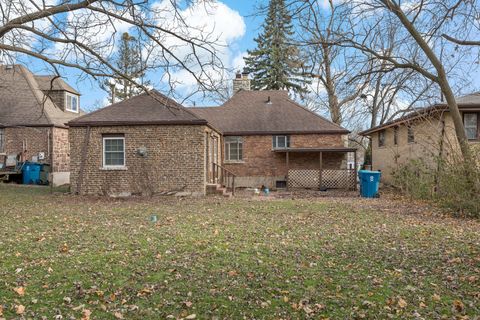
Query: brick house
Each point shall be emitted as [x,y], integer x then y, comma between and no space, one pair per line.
[268,139]
[151,144]
[144,145]
[33,113]
[427,134]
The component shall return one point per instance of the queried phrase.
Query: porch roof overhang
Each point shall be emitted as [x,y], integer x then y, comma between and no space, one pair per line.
[322,149]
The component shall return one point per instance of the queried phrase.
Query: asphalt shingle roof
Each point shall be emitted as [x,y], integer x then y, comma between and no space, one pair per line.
[23,103]
[468,101]
[146,108]
[45,83]
[265,112]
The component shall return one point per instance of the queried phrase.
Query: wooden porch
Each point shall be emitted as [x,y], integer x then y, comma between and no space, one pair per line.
[320,178]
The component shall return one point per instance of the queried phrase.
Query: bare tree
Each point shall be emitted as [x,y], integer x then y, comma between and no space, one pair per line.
[334,68]
[81,35]
[344,74]
[421,47]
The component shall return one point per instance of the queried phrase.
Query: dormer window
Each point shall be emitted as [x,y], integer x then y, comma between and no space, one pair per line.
[71,102]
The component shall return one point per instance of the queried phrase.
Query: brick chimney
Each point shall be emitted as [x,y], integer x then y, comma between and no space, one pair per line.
[241,81]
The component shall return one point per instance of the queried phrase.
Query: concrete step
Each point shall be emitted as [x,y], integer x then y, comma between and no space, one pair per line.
[218,190]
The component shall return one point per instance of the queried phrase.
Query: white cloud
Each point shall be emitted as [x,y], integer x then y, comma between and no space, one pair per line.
[215,23]
[237,62]
[12,9]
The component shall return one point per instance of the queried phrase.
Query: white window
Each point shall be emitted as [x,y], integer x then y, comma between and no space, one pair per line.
[71,102]
[2,140]
[233,149]
[114,152]
[470,121]
[281,142]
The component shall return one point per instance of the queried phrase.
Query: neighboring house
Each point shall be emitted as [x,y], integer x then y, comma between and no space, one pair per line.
[426,134]
[33,113]
[144,145]
[151,144]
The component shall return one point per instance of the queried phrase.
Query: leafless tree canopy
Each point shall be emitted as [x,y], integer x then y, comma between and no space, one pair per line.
[82,34]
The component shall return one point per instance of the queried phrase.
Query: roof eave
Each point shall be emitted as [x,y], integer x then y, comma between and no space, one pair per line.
[269,132]
[134,123]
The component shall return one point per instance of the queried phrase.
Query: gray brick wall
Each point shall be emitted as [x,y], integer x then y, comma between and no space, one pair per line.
[175,160]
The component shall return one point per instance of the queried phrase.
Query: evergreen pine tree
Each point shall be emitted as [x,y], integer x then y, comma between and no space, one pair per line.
[276,64]
[129,62]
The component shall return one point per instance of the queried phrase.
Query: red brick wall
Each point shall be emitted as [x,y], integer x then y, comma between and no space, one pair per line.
[259,160]
[32,140]
[175,160]
[53,142]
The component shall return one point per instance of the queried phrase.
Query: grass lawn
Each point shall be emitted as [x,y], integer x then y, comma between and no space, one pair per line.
[85,258]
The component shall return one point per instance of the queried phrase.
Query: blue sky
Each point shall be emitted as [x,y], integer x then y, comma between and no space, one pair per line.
[243,31]
[93,96]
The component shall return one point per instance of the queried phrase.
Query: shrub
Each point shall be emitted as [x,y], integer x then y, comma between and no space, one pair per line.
[453,185]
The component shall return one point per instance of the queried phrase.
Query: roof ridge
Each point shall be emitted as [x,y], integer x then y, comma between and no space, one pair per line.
[103,108]
[314,113]
[27,73]
[176,103]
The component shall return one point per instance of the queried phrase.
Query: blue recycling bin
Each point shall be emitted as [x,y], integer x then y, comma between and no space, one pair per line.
[369,183]
[31,173]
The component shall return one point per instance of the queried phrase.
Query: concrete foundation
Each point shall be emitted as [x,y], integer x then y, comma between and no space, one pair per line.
[60,178]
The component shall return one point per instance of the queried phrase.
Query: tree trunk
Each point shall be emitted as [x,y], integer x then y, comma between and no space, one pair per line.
[441,77]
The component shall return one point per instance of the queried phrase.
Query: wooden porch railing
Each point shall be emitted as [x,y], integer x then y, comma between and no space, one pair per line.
[224,177]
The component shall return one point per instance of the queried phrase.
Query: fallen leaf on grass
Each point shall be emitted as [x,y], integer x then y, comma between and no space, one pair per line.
[20,291]
[144,292]
[436,297]
[63,248]
[118,315]
[232,273]
[192,316]
[86,314]
[402,303]
[19,309]
[458,306]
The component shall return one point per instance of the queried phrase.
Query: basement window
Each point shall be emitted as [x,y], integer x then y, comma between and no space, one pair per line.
[114,152]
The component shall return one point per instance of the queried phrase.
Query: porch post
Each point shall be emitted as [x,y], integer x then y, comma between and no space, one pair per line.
[355,170]
[320,156]
[288,165]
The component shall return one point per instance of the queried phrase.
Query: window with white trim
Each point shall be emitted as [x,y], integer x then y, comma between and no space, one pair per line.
[470,122]
[280,142]
[233,148]
[71,102]
[113,152]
